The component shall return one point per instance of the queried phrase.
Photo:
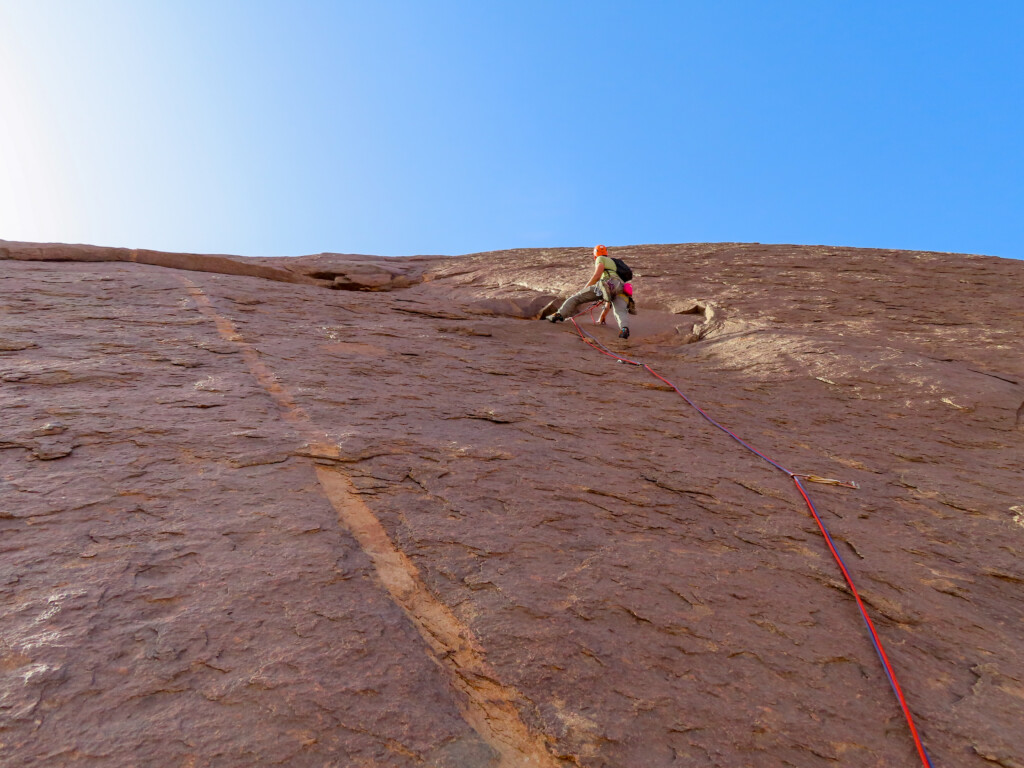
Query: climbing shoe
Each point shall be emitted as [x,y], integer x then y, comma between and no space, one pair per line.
[555,318]
[624,333]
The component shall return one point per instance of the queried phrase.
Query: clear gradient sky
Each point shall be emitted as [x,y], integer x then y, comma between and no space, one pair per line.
[395,128]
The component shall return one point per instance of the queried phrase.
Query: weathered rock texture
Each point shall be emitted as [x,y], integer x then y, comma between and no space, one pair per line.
[250,521]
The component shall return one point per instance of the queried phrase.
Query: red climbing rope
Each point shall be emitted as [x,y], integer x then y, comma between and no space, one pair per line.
[876,641]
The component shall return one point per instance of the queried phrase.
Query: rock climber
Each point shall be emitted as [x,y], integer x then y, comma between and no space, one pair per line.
[605,285]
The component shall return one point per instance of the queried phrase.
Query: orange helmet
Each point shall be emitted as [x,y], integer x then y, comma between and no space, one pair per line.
[600,250]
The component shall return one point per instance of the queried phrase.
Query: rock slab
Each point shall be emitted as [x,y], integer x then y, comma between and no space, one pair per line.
[250,520]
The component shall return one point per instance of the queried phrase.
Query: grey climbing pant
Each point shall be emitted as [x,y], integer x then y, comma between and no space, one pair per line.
[594,293]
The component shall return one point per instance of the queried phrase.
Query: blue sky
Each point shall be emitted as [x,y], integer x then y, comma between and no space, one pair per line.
[395,128]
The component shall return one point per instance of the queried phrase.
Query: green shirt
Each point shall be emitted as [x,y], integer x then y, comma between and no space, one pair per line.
[609,266]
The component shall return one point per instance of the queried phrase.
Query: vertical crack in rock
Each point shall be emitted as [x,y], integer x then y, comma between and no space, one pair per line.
[489,706]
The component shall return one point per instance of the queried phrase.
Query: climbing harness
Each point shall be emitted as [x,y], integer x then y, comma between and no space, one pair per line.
[876,641]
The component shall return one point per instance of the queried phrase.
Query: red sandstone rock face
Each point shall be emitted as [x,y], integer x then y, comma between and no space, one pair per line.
[247,520]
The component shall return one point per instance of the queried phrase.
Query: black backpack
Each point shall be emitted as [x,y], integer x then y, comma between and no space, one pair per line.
[625,273]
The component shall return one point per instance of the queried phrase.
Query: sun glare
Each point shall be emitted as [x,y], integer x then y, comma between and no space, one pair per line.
[33,177]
